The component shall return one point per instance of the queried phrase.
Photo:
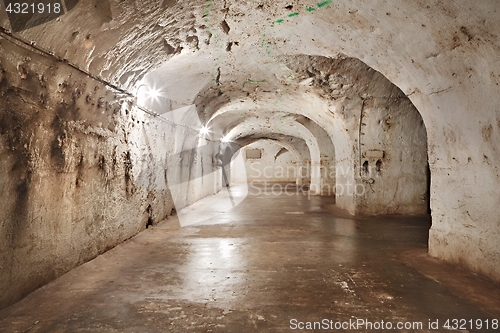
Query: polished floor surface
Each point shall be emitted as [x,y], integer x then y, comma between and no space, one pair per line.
[277,262]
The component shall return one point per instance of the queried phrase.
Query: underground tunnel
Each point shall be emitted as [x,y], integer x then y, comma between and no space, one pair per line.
[237,166]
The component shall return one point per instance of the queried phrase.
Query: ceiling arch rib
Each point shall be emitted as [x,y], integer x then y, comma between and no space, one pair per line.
[224,122]
[308,105]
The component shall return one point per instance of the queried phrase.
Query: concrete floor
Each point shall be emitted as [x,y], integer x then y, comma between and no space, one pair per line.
[256,267]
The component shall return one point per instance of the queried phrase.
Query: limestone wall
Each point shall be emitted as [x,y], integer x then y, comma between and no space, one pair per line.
[81,169]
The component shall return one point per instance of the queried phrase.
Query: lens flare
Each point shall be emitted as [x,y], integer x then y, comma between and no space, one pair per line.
[153,94]
[204,130]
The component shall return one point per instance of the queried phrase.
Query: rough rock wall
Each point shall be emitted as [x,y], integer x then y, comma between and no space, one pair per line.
[388,139]
[67,182]
[393,167]
[464,157]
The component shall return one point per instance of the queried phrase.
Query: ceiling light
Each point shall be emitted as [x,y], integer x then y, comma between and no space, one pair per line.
[154,94]
[204,130]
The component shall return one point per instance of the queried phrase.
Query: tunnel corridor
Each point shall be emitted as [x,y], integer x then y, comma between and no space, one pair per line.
[211,165]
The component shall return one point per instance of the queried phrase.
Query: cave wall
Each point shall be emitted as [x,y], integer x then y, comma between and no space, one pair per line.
[392,158]
[81,169]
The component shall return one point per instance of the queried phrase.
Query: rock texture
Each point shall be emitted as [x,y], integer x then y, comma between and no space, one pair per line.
[82,169]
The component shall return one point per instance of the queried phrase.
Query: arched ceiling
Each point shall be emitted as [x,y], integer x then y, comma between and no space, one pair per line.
[440,54]
[120,39]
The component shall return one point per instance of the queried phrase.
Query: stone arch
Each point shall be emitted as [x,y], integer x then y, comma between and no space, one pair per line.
[286,127]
